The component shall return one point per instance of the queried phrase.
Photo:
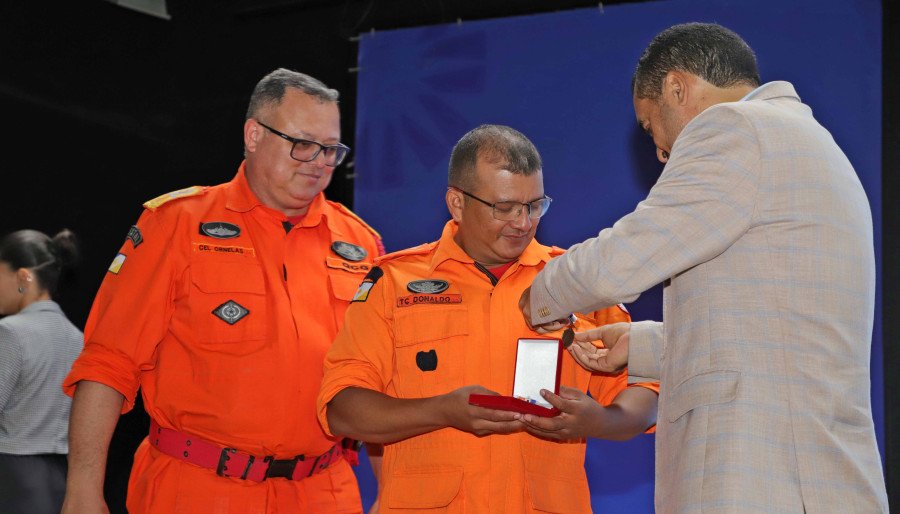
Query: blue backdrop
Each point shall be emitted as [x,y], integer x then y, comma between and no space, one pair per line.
[563,80]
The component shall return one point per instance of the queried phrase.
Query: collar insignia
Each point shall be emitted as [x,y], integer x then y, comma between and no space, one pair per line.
[220,230]
[427,286]
[230,312]
[349,251]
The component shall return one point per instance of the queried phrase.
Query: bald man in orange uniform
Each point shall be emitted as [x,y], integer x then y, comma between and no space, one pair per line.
[433,324]
[221,306]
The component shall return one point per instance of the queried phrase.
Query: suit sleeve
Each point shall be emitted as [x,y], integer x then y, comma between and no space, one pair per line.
[362,353]
[702,203]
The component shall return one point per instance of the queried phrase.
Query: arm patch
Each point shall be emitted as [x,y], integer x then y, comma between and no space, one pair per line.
[362,294]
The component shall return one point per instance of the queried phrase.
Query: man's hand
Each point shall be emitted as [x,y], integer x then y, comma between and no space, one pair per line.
[579,416]
[478,420]
[611,359]
[545,328]
[632,412]
[84,503]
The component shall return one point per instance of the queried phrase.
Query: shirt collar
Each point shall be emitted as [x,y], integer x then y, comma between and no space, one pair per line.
[447,249]
[240,198]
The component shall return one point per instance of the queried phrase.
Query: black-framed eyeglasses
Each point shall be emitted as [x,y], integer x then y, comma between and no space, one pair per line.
[304,150]
[510,211]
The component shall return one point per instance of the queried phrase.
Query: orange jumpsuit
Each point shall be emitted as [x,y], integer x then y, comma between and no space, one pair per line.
[246,380]
[472,327]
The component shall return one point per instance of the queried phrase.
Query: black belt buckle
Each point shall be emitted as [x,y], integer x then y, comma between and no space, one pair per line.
[283,468]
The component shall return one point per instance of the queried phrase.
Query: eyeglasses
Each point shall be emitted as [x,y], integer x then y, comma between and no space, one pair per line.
[510,211]
[304,150]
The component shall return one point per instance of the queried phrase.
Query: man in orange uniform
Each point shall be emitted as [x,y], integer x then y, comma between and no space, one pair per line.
[429,320]
[220,306]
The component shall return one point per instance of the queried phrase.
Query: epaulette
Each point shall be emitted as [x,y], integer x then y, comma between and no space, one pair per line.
[181,193]
[415,250]
[556,251]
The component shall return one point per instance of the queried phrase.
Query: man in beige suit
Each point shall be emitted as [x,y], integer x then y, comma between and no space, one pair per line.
[762,235]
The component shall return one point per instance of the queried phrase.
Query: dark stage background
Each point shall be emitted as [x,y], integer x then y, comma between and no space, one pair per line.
[108,107]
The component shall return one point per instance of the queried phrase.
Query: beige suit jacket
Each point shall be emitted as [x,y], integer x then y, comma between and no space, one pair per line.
[762,234]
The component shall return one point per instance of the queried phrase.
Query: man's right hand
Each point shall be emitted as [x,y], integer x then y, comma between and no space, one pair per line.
[478,420]
[611,359]
[78,502]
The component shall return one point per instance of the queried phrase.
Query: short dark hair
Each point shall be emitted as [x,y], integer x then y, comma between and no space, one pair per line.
[36,251]
[271,88]
[710,51]
[501,144]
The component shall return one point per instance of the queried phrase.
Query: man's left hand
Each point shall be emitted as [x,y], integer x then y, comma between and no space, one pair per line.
[579,415]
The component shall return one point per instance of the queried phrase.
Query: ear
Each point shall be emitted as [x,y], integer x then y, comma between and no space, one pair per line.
[23,276]
[676,86]
[252,132]
[455,202]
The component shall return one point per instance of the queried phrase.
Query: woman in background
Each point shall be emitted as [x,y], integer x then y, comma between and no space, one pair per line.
[37,347]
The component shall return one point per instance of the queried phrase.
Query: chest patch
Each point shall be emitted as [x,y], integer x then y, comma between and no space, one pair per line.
[427,286]
[230,312]
[349,251]
[427,361]
[220,229]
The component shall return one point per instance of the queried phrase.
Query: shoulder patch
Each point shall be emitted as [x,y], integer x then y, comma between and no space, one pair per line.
[343,208]
[362,294]
[415,250]
[181,193]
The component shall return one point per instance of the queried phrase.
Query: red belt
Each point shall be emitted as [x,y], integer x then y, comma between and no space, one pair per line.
[229,462]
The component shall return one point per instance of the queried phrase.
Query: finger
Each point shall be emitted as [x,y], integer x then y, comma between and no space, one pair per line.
[589,335]
[495,415]
[503,427]
[542,424]
[544,434]
[570,393]
[555,400]
[552,326]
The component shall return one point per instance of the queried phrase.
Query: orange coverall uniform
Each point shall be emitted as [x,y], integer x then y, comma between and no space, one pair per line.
[473,327]
[248,383]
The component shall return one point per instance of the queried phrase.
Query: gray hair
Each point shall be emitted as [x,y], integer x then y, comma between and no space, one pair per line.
[271,88]
[707,50]
[498,143]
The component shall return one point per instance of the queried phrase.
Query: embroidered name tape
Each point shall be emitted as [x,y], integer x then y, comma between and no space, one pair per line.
[418,299]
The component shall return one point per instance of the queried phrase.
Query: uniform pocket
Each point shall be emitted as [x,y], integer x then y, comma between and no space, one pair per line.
[707,388]
[228,301]
[555,494]
[430,348]
[432,489]
[344,284]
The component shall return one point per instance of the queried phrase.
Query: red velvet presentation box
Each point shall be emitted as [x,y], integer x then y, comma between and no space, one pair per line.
[538,362]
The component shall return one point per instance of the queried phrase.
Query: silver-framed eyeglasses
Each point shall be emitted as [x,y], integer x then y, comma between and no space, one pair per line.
[304,150]
[510,211]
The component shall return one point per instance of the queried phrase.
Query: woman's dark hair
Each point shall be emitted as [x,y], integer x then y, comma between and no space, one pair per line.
[46,257]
